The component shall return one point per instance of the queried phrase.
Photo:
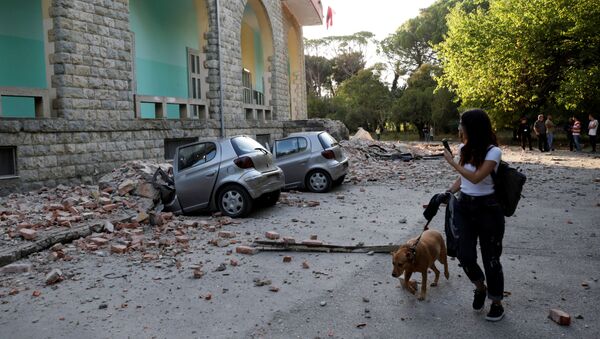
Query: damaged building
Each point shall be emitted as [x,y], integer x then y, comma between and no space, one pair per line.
[86,85]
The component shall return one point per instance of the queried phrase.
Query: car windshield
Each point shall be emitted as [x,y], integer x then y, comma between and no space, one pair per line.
[327,141]
[243,145]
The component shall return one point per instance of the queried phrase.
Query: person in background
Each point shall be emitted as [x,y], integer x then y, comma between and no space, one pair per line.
[592,132]
[431,133]
[524,133]
[539,127]
[426,133]
[550,133]
[569,131]
[576,134]
[481,217]
[378,132]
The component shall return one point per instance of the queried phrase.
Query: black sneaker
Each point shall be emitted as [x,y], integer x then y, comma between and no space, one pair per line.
[496,313]
[479,299]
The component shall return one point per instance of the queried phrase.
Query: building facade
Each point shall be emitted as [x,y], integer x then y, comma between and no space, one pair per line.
[86,85]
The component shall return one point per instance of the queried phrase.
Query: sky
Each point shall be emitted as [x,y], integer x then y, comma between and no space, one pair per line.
[380,17]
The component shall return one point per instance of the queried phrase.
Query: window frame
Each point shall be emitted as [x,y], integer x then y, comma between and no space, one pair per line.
[13,153]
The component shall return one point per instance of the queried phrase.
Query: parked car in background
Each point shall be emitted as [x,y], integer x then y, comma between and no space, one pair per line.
[228,174]
[311,160]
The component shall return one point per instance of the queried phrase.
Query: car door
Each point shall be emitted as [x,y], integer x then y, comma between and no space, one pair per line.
[196,168]
[292,156]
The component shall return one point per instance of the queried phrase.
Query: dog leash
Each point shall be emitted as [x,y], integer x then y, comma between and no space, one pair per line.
[413,248]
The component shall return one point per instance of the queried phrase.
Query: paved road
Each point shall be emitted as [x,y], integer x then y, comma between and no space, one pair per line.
[551,247]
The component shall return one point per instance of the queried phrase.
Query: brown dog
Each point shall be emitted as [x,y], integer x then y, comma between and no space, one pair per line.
[430,248]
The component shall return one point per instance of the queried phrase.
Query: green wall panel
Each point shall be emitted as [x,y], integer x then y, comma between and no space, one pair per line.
[21,53]
[163,30]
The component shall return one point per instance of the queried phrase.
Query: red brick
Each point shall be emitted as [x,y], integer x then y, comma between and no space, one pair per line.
[313,237]
[560,317]
[287,258]
[233,262]
[226,234]
[272,235]
[28,233]
[305,264]
[118,249]
[246,250]
[99,241]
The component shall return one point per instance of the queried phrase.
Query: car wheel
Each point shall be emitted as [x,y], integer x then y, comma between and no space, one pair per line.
[339,180]
[234,201]
[318,181]
[271,198]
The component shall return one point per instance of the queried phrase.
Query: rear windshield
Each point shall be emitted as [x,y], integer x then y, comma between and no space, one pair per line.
[327,141]
[243,145]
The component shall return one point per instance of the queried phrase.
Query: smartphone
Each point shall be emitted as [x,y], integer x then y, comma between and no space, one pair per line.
[446,146]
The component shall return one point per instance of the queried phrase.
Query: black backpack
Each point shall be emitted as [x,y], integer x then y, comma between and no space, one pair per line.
[508,184]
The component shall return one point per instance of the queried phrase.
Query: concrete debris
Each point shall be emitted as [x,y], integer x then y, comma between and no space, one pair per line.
[54,276]
[17,268]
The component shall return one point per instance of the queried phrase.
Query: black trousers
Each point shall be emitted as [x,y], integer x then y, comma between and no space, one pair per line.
[526,137]
[481,218]
[593,142]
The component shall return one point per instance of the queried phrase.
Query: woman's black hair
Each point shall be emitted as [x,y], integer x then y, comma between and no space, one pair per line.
[478,128]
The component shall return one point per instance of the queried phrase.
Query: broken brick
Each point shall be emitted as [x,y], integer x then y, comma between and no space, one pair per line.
[287,258]
[211,229]
[560,317]
[313,237]
[305,264]
[54,276]
[182,238]
[36,293]
[272,235]
[99,241]
[110,207]
[289,240]
[246,250]
[119,249]
[28,233]
[226,234]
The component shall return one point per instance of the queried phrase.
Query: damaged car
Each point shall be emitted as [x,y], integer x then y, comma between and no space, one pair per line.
[229,175]
[311,160]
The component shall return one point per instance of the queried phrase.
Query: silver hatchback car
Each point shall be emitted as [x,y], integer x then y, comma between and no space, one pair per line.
[227,174]
[311,160]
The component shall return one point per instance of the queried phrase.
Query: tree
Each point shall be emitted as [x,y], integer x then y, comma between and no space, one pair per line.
[318,74]
[520,57]
[365,100]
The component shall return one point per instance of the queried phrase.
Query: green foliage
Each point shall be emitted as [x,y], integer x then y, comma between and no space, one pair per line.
[522,57]
[365,100]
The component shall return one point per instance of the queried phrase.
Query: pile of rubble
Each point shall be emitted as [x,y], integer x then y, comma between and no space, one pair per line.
[377,160]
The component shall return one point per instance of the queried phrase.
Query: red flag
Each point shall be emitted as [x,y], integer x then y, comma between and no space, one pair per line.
[329,19]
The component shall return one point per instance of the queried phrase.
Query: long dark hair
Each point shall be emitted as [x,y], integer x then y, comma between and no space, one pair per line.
[478,128]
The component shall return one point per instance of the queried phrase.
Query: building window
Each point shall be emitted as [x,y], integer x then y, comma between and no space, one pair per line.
[247,86]
[172,144]
[8,161]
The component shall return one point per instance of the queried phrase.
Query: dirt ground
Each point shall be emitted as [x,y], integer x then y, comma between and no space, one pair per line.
[551,258]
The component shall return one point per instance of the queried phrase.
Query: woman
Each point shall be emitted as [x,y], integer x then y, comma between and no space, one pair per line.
[480,215]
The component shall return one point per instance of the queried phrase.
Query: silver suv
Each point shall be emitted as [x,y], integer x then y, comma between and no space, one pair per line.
[311,160]
[227,174]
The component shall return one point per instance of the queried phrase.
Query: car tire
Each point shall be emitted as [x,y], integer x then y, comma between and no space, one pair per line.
[233,201]
[318,181]
[339,181]
[270,199]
